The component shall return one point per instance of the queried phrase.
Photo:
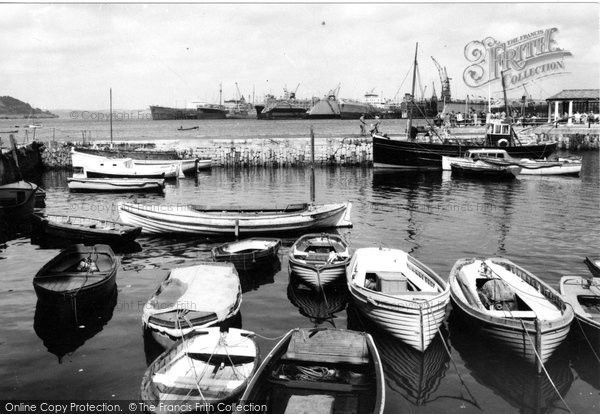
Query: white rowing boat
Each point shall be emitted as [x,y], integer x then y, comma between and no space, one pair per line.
[80,183]
[398,293]
[223,221]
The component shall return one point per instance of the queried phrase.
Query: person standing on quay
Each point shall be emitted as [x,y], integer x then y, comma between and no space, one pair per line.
[363,124]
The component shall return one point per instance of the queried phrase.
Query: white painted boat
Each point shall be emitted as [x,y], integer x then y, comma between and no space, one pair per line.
[227,221]
[319,259]
[562,166]
[206,367]
[398,293]
[204,164]
[190,298]
[94,166]
[583,294]
[247,254]
[506,303]
[188,165]
[79,183]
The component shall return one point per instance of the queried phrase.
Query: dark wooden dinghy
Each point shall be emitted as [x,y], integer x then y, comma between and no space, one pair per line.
[17,201]
[85,229]
[247,254]
[205,367]
[593,263]
[78,271]
[320,371]
[40,198]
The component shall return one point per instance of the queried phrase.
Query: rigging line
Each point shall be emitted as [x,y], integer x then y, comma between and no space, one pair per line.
[224,345]
[458,372]
[544,367]
[191,362]
[277,338]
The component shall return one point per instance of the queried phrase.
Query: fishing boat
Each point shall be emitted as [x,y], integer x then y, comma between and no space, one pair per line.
[79,271]
[480,168]
[17,201]
[317,305]
[191,298]
[510,306]
[181,128]
[583,294]
[85,229]
[398,293]
[419,151]
[227,221]
[593,263]
[80,183]
[207,366]
[247,254]
[319,259]
[315,370]
[94,166]
[562,166]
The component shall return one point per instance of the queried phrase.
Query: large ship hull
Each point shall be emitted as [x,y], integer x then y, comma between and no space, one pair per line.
[161,113]
[334,109]
[282,110]
[390,153]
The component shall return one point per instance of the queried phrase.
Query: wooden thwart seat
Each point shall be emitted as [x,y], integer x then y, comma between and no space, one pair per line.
[329,347]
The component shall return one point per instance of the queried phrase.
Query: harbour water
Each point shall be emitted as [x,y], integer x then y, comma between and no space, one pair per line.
[547,225]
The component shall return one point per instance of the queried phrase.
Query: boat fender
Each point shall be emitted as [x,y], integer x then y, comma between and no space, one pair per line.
[503,143]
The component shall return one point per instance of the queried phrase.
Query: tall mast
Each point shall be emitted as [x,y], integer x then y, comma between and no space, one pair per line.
[505,98]
[412,94]
[111,136]
[220,94]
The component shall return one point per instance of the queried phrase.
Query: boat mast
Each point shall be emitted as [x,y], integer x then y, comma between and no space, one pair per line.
[111,135]
[220,94]
[505,98]
[412,94]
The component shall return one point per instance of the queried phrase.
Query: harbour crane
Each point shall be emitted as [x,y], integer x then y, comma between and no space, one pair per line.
[445,80]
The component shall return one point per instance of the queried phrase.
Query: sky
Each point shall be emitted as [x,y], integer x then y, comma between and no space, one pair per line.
[67,56]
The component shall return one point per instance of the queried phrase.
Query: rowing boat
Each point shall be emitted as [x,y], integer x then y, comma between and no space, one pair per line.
[227,221]
[510,306]
[247,254]
[80,183]
[315,370]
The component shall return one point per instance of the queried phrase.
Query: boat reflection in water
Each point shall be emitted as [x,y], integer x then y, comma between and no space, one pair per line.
[317,306]
[65,325]
[517,383]
[263,275]
[414,375]
[584,351]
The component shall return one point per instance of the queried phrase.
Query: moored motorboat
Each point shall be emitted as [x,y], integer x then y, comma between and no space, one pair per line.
[319,259]
[593,263]
[80,183]
[398,293]
[510,306]
[583,294]
[94,166]
[17,201]
[208,366]
[228,221]
[480,168]
[81,272]
[85,229]
[190,298]
[317,370]
[247,254]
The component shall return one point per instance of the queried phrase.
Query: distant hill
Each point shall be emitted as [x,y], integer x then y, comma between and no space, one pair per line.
[14,108]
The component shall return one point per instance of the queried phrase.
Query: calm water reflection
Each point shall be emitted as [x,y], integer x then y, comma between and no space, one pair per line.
[548,225]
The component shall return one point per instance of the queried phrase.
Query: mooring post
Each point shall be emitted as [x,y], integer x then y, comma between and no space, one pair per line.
[312,165]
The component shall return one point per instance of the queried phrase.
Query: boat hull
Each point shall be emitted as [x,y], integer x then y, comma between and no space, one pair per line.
[185,219]
[115,185]
[485,171]
[17,201]
[245,261]
[392,153]
[162,113]
[317,277]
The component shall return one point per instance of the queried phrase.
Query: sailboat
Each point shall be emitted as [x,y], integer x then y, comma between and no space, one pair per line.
[410,151]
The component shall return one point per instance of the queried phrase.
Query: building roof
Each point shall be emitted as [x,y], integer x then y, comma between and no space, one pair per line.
[586,94]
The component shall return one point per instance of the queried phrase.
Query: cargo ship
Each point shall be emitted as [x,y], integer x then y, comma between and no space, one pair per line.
[330,107]
[287,107]
[199,111]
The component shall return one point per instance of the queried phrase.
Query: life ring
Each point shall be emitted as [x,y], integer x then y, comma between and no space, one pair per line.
[503,143]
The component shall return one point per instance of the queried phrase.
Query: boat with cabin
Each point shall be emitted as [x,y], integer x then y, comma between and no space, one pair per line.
[94,166]
[583,294]
[510,306]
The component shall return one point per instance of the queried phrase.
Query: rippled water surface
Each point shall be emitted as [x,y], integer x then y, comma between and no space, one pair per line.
[548,225]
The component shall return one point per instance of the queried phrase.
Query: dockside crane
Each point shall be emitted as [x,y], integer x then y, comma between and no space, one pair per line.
[445,80]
